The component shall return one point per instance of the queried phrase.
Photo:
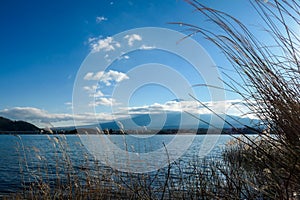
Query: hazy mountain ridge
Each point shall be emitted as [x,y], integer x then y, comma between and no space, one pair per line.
[176,120]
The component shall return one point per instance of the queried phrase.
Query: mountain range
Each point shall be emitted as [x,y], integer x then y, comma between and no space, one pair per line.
[176,120]
[169,120]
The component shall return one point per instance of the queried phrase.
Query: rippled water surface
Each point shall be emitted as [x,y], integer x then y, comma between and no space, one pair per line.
[24,156]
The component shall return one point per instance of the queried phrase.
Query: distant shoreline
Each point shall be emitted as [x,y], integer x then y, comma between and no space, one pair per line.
[200,131]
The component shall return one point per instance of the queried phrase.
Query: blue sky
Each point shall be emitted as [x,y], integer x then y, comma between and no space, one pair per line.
[43,44]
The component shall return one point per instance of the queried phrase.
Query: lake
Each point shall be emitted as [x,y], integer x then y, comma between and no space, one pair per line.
[26,158]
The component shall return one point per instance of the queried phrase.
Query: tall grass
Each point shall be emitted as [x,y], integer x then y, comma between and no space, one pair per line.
[269,166]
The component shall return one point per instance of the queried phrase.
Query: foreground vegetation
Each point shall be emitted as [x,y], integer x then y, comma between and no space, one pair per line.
[267,167]
[65,175]
[268,64]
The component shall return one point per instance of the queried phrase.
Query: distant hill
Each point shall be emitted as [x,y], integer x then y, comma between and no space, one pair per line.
[9,125]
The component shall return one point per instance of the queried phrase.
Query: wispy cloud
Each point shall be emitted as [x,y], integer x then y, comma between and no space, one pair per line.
[106,44]
[97,94]
[69,105]
[132,38]
[100,19]
[146,47]
[106,77]
[92,39]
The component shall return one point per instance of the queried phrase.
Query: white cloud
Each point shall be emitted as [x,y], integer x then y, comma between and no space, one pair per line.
[89,76]
[107,44]
[90,89]
[123,55]
[231,107]
[24,113]
[103,101]
[98,93]
[106,57]
[126,57]
[93,91]
[170,106]
[146,47]
[37,116]
[132,38]
[43,119]
[100,19]
[106,77]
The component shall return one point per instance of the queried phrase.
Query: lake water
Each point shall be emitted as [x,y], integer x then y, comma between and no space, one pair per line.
[24,156]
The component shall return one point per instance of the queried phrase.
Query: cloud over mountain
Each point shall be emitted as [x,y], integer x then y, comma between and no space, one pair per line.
[41,117]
